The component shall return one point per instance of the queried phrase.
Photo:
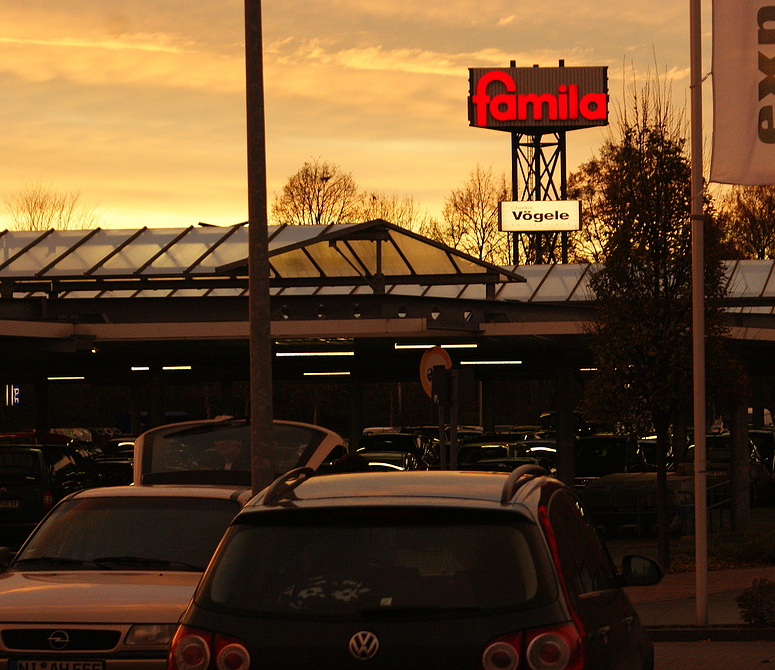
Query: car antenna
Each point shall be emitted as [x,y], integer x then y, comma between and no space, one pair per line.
[515,480]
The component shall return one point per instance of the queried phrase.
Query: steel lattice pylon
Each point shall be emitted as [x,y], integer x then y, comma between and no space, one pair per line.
[538,172]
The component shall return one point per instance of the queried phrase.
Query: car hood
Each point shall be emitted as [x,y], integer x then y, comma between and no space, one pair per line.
[96,597]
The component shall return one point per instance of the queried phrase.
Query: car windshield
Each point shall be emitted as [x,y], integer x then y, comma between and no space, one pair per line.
[219,453]
[123,532]
[376,562]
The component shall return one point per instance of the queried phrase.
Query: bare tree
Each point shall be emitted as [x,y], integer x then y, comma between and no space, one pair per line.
[319,193]
[747,217]
[470,217]
[38,207]
[404,212]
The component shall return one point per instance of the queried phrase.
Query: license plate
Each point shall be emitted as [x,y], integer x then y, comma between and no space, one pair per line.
[55,665]
[9,503]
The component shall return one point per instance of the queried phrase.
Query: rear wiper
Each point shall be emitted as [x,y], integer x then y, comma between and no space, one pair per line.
[149,563]
[49,561]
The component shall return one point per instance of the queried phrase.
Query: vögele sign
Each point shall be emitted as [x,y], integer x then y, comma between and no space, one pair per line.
[540,216]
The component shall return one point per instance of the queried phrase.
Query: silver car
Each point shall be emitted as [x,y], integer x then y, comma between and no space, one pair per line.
[101,582]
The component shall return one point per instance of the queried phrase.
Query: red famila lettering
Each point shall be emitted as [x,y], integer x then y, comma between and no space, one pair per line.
[514,106]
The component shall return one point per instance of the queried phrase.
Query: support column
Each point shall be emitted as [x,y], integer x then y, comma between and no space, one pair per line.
[566,429]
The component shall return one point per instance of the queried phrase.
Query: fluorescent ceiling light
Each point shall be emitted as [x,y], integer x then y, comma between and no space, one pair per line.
[176,367]
[60,379]
[140,368]
[314,353]
[429,346]
[326,374]
[490,362]
[588,369]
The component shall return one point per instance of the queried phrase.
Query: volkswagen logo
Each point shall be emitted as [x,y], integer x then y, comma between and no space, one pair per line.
[59,639]
[364,645]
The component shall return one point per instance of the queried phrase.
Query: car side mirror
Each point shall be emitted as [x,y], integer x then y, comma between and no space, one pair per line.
[640,571]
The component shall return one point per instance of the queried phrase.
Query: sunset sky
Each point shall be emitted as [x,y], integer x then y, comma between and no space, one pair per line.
[139,105]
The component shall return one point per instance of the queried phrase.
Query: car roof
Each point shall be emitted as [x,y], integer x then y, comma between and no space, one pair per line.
[424,487]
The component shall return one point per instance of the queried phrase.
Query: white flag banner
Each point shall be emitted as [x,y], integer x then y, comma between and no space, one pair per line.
[743,92]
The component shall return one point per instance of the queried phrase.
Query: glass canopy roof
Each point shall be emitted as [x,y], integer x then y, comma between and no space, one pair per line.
[338,259]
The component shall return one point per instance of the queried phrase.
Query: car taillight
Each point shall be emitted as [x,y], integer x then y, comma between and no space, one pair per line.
[230,654]
[48,500]
[556,648]
[190,649]
[194,649]
[502,654]
[552,648]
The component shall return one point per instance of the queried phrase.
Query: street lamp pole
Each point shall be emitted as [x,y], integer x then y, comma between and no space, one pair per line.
[261,410]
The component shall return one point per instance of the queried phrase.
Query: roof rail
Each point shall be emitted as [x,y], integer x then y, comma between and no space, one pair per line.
[284,484]
[515,480]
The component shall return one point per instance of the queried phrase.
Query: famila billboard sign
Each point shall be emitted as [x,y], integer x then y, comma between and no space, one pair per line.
[533,100]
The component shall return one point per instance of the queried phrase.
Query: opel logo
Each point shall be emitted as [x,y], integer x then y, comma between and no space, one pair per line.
[59,639]
[364,645]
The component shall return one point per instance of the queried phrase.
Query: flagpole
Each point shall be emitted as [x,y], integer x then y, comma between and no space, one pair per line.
[698,317]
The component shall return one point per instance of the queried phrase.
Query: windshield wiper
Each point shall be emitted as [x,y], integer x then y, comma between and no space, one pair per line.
[113,562]
[50,561]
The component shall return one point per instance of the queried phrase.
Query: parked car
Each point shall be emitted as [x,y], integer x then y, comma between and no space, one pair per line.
[34,478]
[387,461]
[718,465]
[104,578]
[599,455]
[116,460]
[194,452]
[414,570]
[402,442]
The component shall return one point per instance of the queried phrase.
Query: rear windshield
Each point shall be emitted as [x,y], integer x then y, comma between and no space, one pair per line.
[18,468]
[129,533]
[377,562]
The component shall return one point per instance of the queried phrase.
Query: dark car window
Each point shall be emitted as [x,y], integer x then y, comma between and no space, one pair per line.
[19,468]
[385,562]
[586,566]
[175,532]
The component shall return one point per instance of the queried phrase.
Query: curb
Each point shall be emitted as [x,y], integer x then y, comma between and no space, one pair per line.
[710,633]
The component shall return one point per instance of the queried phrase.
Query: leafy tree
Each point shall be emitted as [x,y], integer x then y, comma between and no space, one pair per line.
[319,193]
[470,218]
[747,216]
[642,332]
[38,207]
[586,185]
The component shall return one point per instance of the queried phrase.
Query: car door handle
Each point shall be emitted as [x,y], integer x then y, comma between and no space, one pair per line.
[602,633]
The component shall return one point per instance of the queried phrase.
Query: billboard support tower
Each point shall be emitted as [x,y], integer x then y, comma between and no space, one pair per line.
[538,172]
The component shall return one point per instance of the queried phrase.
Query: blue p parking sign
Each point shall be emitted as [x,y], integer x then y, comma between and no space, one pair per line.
[12,395]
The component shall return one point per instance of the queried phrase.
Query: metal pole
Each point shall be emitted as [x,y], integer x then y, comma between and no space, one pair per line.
[261,411]
[698,319]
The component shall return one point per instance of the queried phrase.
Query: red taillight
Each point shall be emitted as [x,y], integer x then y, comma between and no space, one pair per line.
[48,500]
[555,648]
[194,649]
[552,648]
[230,654]
[502,654]
[190,649]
